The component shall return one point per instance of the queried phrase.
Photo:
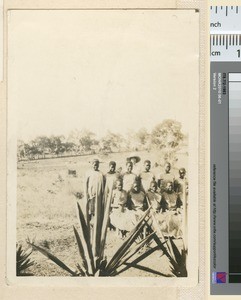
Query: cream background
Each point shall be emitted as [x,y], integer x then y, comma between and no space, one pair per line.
[100,70]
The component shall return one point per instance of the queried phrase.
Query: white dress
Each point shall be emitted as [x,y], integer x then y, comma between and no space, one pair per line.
[120,216]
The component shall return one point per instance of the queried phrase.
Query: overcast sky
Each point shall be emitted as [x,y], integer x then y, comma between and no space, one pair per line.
[101,70]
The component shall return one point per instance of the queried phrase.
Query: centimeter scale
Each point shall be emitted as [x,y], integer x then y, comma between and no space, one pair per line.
[225,113]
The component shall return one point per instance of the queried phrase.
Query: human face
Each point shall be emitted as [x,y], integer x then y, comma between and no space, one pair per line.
[147,166]
[153,187]
[169,187]
[95,165]
[136,187]
[119,185]
[168,168]
[129,167]
[133,160]
[182,173]
[112,168]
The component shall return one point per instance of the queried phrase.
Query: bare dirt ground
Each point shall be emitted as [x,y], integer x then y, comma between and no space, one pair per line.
[46,211]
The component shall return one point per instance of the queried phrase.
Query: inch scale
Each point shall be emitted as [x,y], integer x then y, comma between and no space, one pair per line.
[225,33]
[225,167]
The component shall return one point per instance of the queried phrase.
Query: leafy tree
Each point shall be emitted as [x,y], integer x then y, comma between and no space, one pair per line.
[111,142]
[142,136]
[167,134]
[56,144]
[32,151]
[68,146]
[87,140]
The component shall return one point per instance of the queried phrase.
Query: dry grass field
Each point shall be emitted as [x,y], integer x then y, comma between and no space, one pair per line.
[46,210]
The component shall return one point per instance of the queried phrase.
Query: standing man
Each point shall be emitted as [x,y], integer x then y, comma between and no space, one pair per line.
[111,177]
[166,177]
[146,176]
[94,186]
[135,159]
[128,178]
[181,185]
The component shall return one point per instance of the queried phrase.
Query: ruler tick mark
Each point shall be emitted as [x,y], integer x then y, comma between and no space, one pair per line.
[225,33]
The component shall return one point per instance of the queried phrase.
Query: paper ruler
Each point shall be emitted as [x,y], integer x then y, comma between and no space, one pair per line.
[225,112]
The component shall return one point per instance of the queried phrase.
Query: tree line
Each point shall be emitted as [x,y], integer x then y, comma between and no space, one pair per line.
[166,135]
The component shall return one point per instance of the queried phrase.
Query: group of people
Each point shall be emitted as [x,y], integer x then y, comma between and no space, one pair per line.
[136,189]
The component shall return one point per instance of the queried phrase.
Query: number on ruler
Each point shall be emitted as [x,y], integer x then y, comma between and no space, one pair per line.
[238,52]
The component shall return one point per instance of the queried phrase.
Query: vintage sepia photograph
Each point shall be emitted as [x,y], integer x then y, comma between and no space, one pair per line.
[102,143]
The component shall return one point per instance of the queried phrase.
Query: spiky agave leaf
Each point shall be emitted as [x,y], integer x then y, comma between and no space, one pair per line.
[174,250]
[23,262]
[132,251]
[136,261]
[165,251]
[98,219]
[54,259]
[129,241]
[85,239]
[82,253]
[171,251]
[80,269]
[105,222]
[179,268]
[155,224]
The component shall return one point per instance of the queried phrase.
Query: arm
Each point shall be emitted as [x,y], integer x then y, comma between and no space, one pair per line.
[145,204]
[159,182]
[129,203]
[178,203]
[163,204]
[176,186]
[87,188]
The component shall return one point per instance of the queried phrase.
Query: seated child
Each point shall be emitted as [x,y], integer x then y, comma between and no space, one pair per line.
[170,199]
[171,208]
[137,202]
[119,216]
[153,197]
[137,198]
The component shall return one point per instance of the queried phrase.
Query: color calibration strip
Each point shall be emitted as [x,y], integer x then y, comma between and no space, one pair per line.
[235,177]
[225,168]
